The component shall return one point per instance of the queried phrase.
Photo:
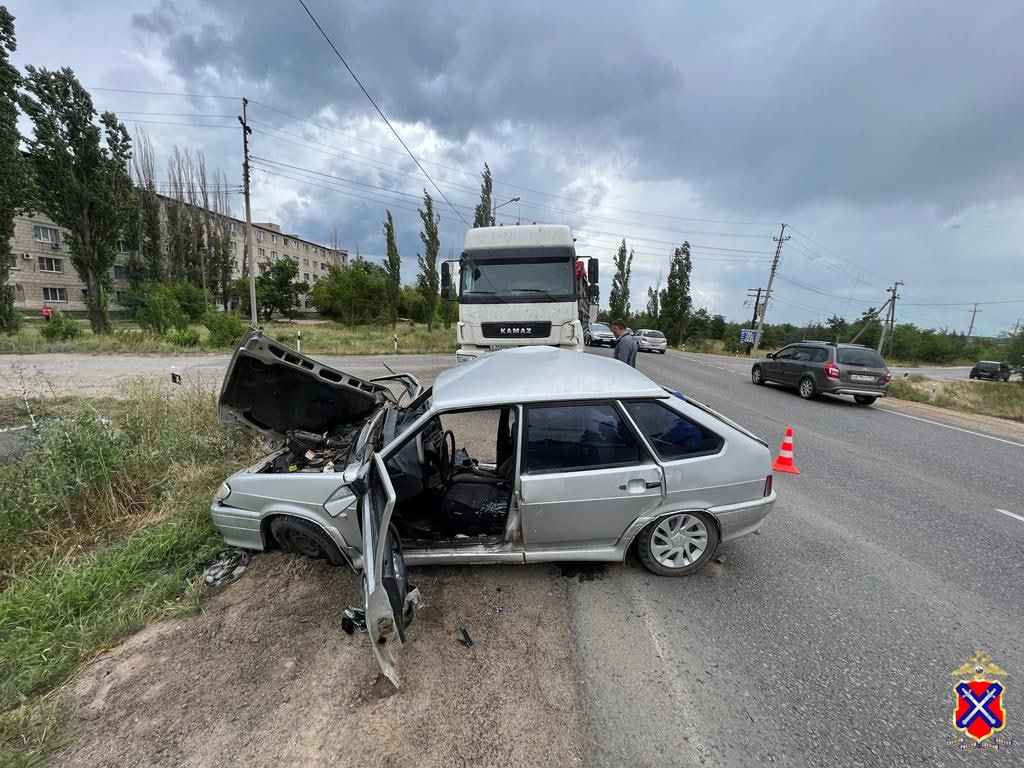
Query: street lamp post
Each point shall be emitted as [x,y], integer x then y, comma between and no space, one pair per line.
[495,208]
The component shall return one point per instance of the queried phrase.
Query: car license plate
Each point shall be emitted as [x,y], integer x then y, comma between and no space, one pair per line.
[862,377]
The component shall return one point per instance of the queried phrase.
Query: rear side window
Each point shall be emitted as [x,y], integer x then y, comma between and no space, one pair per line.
[576,437]
[819,355]
[866,357]
[673,435]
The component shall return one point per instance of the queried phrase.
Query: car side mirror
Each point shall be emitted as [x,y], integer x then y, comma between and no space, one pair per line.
[770,355]
[595,291]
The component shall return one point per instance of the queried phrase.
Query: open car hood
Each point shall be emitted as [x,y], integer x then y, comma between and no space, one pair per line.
[270,389]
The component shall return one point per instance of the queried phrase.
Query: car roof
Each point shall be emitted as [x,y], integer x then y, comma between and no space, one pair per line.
[536,374]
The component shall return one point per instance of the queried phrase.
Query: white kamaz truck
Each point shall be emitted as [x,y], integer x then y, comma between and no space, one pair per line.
[520,285]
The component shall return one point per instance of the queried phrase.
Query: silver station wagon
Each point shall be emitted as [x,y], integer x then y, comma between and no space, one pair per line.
[527,455]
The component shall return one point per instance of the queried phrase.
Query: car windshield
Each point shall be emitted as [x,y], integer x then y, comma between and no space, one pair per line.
[517,275]
[599,327]
[866,357]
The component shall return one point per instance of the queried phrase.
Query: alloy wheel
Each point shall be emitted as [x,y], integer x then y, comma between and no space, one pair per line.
[679,540]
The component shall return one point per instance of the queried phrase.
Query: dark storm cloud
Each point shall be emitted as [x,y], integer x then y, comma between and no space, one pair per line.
[857,102]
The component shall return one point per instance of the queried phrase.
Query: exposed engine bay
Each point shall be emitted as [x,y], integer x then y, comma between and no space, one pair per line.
[310,452]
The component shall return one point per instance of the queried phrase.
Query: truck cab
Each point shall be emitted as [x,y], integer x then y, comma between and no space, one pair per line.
[520,286]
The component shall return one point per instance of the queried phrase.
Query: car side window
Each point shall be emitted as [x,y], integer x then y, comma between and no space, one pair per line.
[785,354]
[802,354]
[819,355]
[673,435]
[566,438]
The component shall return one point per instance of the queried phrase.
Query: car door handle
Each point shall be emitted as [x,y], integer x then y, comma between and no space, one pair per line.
[639,485]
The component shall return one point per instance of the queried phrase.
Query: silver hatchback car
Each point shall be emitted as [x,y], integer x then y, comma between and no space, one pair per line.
[649,340]
[584,459]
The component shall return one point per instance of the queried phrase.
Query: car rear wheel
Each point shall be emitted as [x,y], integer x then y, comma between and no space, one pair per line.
[757,375]
[807,389]
[301,537]
[864,399]
[679,544]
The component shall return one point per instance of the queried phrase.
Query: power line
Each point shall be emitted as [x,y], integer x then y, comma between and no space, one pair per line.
[379,110]
[164,93]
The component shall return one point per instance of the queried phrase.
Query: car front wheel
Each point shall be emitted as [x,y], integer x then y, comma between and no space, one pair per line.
[301,537]
[807,389]
[864,399]
[679,544]
[757,375]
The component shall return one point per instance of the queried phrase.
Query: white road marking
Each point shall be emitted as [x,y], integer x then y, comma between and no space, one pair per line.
[949,426]
[1011,514]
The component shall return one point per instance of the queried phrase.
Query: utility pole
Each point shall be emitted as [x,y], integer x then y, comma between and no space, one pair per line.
[755,294]
[889,327]
[974,312]
[250,255]
[783,237]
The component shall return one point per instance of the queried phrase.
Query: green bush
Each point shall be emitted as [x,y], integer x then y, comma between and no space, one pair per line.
[186,337]
[61,327]
[161,311]
[226,328]
[191,300]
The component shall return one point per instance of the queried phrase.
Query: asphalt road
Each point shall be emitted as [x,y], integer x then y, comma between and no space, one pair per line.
[828,639]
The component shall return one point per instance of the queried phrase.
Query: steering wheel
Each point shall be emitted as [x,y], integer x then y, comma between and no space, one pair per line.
[447,468]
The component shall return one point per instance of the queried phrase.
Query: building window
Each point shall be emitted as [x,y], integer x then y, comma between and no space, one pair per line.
[55,295]
[120,272]
[46,235]
[260,252]
[308,303]
[306,247]
[48,264]
[12,262]
[273,255]
[234,266]
[234,227]
[231,247]
[305,262]
[285,242]
[19,292]
[122,246]
[273,239]
[119,297]
[305,277]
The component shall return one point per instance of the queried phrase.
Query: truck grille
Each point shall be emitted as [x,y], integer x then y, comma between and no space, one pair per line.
[516,330]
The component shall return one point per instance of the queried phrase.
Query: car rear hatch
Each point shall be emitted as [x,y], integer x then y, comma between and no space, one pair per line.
[861,367]
[270,389]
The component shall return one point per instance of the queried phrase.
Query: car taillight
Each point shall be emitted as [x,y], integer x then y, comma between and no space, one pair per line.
[768,485]
[888,376]
[832,370]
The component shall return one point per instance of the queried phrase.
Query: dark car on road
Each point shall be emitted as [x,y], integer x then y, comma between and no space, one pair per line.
[991,370]
[815,367]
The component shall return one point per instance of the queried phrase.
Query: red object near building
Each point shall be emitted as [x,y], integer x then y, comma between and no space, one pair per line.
[47,312]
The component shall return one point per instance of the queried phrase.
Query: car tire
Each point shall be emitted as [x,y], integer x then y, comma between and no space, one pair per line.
[864,399]
[661,352]
[301,537]
[696,533]
[806,388]
[757,375]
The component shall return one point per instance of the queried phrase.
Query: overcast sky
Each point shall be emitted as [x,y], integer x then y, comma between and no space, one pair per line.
[886,135]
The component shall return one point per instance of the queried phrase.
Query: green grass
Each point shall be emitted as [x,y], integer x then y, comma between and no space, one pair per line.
[102,521]
[987,398]
[318,336]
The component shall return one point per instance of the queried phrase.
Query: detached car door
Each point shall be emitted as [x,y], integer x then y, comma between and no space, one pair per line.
[386,597]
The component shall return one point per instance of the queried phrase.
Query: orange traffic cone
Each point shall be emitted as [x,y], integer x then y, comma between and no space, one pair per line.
[784,461]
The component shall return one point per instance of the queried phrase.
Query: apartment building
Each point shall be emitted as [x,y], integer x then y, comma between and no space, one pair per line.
[42,273]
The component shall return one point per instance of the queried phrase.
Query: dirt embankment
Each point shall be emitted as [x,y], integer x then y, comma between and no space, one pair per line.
[264,676]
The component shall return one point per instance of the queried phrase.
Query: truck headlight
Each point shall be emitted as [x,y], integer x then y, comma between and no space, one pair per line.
[223,492]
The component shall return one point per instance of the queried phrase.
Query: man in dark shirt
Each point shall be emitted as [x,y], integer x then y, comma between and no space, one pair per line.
[625,347]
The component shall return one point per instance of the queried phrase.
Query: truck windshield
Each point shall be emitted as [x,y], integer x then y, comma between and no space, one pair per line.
[517,275]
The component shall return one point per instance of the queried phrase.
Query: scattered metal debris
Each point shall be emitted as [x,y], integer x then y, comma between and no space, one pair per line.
[353,619]
[227,566]
[465,641]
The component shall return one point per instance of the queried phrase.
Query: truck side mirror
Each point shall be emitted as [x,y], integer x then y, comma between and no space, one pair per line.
[592,276]
[595,291]
[446,280]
